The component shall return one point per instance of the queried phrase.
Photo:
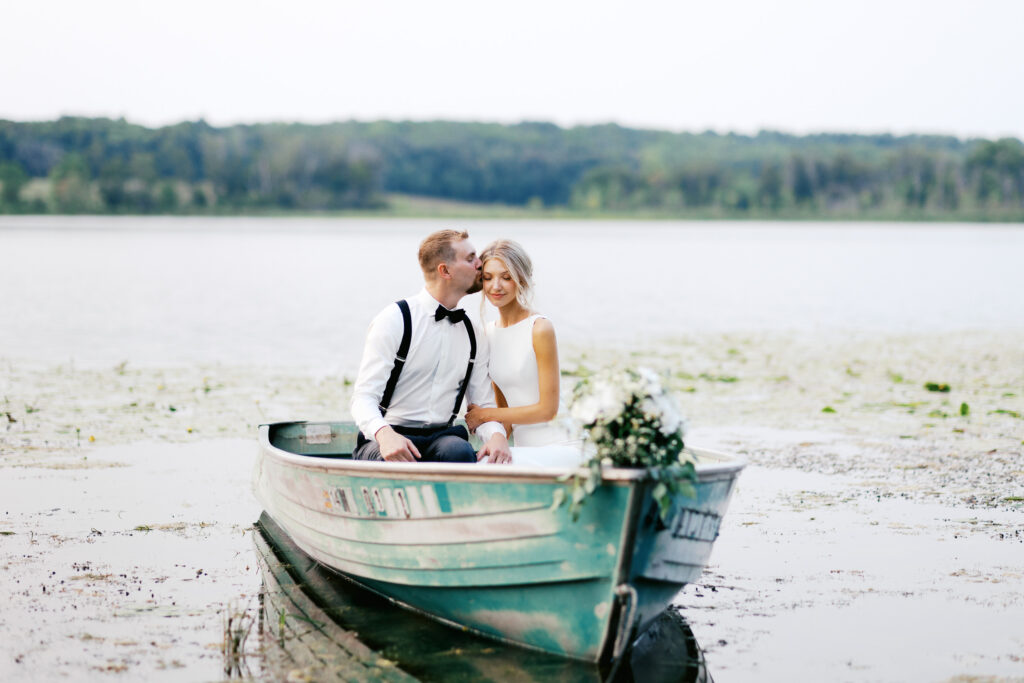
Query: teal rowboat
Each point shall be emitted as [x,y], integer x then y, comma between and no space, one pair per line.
[481,546]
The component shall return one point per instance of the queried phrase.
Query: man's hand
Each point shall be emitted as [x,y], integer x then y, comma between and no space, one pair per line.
[496,450]
[396,448]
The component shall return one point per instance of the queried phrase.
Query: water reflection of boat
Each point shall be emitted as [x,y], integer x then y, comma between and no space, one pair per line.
[316,625]
[483,548]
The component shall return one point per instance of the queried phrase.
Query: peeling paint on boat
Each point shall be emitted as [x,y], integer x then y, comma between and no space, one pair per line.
[536,626]
[482,547]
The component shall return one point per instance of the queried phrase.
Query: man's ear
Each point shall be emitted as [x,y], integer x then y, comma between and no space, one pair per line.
[443,272]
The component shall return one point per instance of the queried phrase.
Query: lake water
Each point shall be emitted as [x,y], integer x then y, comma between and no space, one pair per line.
[808,564]
[300,291]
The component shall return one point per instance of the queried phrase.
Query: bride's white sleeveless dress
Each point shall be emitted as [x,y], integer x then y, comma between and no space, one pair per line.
[513,368]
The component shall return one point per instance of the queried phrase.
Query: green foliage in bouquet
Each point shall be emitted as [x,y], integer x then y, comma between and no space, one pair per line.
[631,422]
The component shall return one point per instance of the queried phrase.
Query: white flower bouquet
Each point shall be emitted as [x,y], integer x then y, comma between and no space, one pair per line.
[632,422]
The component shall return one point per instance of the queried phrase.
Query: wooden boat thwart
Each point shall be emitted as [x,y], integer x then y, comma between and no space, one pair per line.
[482,547]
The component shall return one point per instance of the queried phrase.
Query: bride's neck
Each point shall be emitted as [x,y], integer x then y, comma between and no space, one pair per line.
[512,314]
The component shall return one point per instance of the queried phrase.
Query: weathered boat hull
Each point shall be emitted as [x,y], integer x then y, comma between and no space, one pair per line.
[482,547]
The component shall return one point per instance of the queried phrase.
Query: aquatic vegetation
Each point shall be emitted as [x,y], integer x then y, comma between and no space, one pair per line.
[728,379]
[911,406]
[937,387]
[965,410]
[828,409]
[1001,411]
[238,624]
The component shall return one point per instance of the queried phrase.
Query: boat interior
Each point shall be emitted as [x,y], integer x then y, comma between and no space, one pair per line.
[337,440]
[321,439]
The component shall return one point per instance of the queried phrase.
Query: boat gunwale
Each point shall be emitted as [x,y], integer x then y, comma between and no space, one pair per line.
[727,467]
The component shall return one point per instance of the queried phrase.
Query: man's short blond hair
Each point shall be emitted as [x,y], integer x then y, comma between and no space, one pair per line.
[439,248]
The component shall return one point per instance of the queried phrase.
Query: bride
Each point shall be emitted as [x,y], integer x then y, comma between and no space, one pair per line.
[523,364]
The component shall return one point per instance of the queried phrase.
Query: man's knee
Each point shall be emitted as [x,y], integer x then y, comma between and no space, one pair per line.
[453,449]
[368,451]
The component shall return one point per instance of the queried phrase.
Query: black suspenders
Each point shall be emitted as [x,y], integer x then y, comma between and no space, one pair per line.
[403,353]
[469,369]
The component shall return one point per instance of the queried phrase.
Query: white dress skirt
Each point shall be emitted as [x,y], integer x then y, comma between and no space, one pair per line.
[513,368]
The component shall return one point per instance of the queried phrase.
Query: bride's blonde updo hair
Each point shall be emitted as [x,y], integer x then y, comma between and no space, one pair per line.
[518,264]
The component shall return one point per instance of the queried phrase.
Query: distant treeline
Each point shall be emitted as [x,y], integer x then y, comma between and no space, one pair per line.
[78,165]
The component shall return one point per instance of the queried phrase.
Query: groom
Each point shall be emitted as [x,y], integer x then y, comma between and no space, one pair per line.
[420,360]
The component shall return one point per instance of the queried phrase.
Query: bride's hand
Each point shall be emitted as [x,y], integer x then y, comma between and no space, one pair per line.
[475,416]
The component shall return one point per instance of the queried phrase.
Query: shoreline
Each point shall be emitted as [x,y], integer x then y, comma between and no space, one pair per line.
[503,213]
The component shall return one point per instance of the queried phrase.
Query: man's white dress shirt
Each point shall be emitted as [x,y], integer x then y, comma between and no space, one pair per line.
[434,369]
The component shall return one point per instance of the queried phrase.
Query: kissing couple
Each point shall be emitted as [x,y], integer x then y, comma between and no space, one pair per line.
[423,357]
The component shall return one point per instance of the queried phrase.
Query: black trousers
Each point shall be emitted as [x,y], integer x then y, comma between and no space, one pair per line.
[439,443]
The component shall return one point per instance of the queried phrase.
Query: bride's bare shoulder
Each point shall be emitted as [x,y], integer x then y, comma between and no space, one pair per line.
[542,328]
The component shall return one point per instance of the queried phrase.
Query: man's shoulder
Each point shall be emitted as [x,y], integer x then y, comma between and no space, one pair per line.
[388,320]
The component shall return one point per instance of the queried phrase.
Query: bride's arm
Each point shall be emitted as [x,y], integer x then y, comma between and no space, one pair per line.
[546,349]
[499,398]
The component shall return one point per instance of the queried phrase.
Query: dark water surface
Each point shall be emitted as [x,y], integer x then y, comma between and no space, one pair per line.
[295,637]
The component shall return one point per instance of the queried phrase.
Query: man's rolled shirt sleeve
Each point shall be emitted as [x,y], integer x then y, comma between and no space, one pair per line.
[382,341]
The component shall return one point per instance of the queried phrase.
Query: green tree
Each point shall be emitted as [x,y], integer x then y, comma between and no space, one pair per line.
[998,170]
[803,181]
[70,186]
[607,188]
[167,198]
[12,179]
[770,186]
[112,178]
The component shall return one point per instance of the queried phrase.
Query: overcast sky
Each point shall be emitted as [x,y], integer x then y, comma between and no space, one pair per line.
[937,66]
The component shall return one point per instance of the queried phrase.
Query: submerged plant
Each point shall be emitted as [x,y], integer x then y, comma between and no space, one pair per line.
[238,624]
[631,422]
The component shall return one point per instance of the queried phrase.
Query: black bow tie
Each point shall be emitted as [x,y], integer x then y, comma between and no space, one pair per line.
[456,316]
